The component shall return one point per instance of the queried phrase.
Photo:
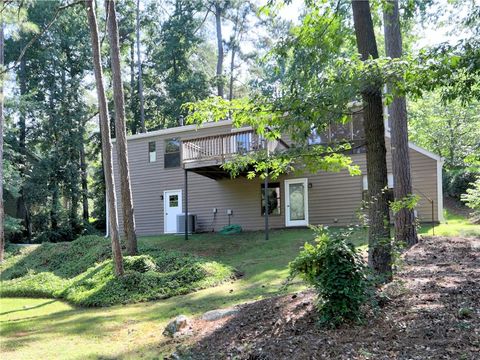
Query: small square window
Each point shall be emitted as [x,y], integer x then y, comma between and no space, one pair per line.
[173,201]
[274,204]
[172,153]
[152,151]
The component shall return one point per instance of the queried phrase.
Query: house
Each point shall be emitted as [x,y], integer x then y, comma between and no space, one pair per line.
[161,161]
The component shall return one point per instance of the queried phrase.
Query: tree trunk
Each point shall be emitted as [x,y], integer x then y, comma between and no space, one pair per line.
[405,230]
[2,210]
[106,141]
[379,252]
[83,169]
[54,206]
[54,209]
[232,66]
[22,210]
[133,126]
[218,23]
[139,65]
[120,131]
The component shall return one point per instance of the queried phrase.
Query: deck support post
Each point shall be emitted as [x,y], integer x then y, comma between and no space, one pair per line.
[186,204]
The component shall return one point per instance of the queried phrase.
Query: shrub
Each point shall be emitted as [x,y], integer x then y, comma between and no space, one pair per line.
[81,272]
[63,259]
[12,226]
[456,182]
[141,263]
[43,284]
[141,282]
[471,198]
[338,274]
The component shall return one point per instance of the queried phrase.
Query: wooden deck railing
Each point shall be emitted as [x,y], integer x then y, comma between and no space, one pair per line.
[221,146]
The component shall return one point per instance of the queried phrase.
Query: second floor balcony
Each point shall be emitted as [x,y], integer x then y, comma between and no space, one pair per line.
[217,149]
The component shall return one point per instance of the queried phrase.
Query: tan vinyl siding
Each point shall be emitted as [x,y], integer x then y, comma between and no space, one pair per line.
[334,198]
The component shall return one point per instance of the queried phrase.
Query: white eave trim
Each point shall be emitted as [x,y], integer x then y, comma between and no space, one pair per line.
[425,152]
[418,148]
[440,190]
[178,129]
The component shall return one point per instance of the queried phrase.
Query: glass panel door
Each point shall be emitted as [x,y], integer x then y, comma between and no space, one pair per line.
[296,195]
[172,208]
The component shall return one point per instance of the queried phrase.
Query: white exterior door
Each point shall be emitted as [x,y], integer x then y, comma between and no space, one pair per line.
[172,206]
[296,202]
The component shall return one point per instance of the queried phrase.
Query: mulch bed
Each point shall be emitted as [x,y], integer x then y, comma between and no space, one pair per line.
[434,313]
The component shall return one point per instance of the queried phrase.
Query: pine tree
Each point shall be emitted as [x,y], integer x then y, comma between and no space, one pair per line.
[379,252]
[2,210]
[106,141]
[121,131]
[405,230]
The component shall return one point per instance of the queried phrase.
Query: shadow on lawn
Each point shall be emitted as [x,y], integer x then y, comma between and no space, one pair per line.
[19,333]
[28,308]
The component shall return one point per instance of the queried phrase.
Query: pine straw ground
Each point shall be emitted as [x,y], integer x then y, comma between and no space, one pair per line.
[433,313]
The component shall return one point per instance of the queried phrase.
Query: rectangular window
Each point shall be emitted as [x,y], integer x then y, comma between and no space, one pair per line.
[173,201]
[390,197]
[152,151]
[274,204]
[172,153]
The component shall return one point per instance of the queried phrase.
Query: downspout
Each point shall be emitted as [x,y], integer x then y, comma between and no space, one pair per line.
[107,225]
[186,204]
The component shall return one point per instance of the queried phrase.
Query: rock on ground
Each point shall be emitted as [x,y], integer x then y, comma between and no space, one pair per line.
[218,314]
[177,326]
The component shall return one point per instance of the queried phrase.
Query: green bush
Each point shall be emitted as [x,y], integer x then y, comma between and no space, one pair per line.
[81,272]
[43,284]
[338,274]
[12,226]
[66,259]
[456,182]
[471,198]
[141,263]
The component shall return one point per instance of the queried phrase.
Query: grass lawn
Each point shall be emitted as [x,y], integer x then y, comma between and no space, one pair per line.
[454,225]
[48,329]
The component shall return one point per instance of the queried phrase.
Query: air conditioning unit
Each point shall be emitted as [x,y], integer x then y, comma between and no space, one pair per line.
[192,222]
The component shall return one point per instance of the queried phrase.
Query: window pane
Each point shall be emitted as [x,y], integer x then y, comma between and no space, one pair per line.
[172,153]
[274,204]
[173,201]
[172,160]
[297,201]
[172,145]
[153,156]
[358,130]
[152,153]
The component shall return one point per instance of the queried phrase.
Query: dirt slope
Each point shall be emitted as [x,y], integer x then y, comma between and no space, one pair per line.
[434,313]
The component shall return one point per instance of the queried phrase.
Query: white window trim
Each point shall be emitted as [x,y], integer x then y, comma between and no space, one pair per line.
[389,181]
[287,202]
